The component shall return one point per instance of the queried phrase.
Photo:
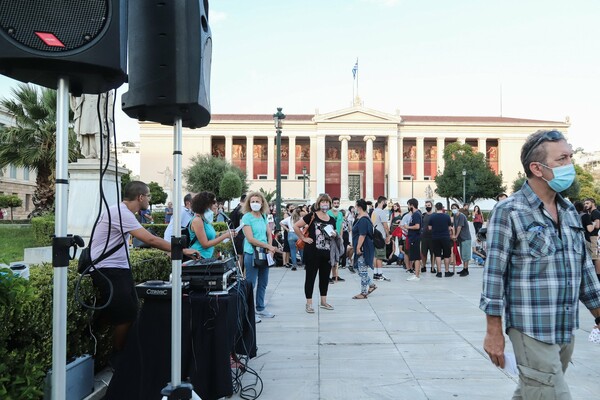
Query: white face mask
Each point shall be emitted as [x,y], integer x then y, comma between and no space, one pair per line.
[454,211]
[335,208]
[255,206]
[209,215]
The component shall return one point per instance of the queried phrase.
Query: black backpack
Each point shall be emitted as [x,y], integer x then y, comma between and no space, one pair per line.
[378,239]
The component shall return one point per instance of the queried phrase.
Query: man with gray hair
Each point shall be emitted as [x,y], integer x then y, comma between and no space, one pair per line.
[537,271]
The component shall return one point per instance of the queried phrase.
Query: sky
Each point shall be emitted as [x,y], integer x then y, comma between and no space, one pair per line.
[528,59]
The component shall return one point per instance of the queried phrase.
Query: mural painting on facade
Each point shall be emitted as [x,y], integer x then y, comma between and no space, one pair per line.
[260,152]
[239,152]
[410,152]
[303,152]
[430,152]
[492,153]
[356,152]
[333,153]
[218,150]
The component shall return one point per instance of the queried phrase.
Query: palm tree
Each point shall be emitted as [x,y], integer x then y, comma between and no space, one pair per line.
[31,143]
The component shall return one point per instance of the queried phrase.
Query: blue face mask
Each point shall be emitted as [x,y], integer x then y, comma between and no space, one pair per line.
[209,215]
[563,177]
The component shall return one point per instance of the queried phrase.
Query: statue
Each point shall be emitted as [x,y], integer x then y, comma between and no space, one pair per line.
[87,126]
[428,192]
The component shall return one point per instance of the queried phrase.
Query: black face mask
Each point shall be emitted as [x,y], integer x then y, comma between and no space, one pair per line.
[384,206]
[428,209]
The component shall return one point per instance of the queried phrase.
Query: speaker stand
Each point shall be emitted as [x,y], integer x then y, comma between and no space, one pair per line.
[176,390]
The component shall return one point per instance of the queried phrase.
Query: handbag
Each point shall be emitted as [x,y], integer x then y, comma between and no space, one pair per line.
[300,243]
[260,257]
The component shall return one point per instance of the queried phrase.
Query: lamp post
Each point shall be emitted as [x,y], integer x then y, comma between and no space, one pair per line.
[464,173]
[304,182]
[277,118]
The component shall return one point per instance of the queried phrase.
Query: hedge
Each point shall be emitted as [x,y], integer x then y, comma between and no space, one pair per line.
[16,221]
[26,328]
[159,217]
[43,229]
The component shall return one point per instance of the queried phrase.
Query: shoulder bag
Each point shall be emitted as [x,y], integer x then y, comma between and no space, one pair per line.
[300,243]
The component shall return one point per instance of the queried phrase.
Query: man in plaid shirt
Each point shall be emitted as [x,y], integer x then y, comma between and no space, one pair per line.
[537,270]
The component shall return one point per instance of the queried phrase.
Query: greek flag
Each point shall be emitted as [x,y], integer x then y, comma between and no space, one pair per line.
[355,69]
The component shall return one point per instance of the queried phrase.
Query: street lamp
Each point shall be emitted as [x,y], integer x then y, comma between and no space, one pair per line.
[464,173]
[277,118]
[304,182]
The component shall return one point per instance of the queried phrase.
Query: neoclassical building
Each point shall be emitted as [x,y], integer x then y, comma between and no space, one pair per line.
[350,153]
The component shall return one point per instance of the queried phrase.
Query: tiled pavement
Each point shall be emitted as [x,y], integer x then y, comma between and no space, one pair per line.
[408,340]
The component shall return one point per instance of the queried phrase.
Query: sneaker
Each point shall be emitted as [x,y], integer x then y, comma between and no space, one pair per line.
[438,275]
[464,272]
[257,319]
[410,271]
[288,265]
[413,278]
[423,269]
[385,278]
[338,279]
[265,314]
[433,270]
[448,274]
[331,281]
[351,269]
[377,277]
[294,268]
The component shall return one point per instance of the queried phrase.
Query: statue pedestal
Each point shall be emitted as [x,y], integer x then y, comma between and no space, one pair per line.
[84,194]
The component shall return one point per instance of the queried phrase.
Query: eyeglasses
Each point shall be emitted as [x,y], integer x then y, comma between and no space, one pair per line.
[550,136]
[149,196]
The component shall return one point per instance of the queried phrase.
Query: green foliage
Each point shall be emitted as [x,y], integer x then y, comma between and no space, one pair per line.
[16,221]
[269,196]
[518,182]
[159,217]
[573,193]
[230,187]
[13,240]
[10,201]
[480,183]
[125,179]
[206,173]
[31,142]
[26,328]
[156,229]
[588,185]
[158,194]
[43,229]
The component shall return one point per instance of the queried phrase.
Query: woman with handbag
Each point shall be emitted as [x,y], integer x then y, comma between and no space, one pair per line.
[317,247]
[257,243]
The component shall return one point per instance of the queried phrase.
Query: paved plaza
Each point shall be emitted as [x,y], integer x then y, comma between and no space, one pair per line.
[408,340]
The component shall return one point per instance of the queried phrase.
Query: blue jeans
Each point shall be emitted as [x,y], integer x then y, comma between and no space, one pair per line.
[292,237]
[252,274]
[479,260]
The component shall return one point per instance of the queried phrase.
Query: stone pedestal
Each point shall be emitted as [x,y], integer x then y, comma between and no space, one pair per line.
[84,194]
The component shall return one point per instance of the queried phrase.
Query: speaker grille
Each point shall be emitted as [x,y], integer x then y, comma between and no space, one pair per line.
[76,23]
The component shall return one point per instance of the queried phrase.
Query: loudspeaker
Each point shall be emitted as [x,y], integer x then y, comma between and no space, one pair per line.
[170,50]
[83,40]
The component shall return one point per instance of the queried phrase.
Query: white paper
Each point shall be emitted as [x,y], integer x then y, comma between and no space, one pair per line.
[595,336]
[270,260]
[510,364]
[329,230]
[225,240]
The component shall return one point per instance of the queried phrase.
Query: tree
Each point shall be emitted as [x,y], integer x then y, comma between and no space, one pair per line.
[125,179]
[10,202]
[269,196]
[574,192]
[206,173]
[480,183]
[230,187]
[158,195]
[31,143]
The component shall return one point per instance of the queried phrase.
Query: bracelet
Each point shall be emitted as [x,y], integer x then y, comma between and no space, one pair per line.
[597,320]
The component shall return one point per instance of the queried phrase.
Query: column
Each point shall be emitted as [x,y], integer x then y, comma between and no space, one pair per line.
[270,158]
[320,172]
[369,167]
[420,159]
[344,168]
[228,148]
[481,145]
[440,154]
[250,157]
[393,166]
[292,157]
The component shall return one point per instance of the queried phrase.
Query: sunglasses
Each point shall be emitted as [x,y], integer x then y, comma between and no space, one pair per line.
[550,136]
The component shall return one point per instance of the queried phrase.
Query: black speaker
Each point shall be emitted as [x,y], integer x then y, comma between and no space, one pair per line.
[170,50]
[84,40]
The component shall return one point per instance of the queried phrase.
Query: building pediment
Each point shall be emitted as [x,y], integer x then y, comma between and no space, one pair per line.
[357,114]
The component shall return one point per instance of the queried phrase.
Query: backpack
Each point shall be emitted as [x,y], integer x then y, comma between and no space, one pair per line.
[378,239]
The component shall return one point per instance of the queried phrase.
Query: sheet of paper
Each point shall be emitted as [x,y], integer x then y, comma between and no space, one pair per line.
[270,260]
[510,364]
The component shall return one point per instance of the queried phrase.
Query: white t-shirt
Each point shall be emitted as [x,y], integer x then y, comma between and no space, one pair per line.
[101,235]
[406,220]
[287,222]
[186,217]
[378,218]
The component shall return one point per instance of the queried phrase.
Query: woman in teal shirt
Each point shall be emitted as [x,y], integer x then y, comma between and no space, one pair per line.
[203,236]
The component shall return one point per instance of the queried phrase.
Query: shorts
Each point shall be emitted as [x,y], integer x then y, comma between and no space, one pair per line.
[465,250]
[594,247]
[380,254]
[414,252]
[442,247]
[123,307]
[426,247]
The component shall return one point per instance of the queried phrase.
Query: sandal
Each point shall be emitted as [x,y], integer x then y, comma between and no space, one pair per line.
[372,289]
[360,297]
[326,306]
[309,309]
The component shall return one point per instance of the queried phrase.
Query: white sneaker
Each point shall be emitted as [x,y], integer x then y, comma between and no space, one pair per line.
[257,319]
[265,314]
[413,278]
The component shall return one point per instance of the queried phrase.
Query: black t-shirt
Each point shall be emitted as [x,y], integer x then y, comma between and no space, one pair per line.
[586,220]
[440,222]
[321,242]
[425,232]
[594,215]
[415,219]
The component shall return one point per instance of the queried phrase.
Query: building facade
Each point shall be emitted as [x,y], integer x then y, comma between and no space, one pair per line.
[350,153]
[17,181]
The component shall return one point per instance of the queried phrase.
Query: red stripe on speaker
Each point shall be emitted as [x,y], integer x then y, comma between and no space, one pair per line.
[49,39]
